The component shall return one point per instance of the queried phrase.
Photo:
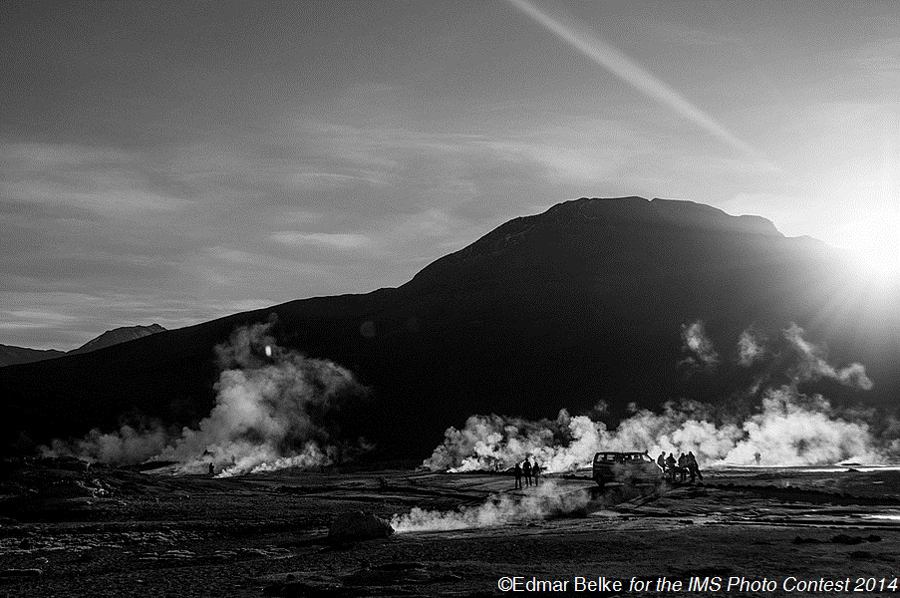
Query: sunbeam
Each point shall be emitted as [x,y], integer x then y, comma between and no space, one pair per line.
[607,56]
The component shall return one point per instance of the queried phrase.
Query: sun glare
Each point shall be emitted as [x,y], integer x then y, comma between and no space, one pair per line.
[876,252]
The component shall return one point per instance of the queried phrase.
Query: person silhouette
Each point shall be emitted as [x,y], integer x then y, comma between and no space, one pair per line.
[526,469]
[693,466]
[670,466]
[517,471]
[682,467]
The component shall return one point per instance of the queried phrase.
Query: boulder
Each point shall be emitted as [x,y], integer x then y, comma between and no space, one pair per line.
[358,525]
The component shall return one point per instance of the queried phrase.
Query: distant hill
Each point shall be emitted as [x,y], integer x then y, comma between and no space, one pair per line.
[585,302]
[116,336]
[10,355]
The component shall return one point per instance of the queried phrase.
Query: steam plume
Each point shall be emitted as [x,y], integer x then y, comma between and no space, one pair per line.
[750,348]
[129,445]
[790,428]
[699,348]
[274,409]
[812,364]
[545,501]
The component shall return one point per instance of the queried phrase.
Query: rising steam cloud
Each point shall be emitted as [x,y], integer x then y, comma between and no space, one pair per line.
[273,410]
[546,500]
[813,366]
[790,428]
[750,348]
[698,347]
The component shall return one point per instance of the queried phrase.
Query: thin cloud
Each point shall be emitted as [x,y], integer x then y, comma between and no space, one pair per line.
[104,181]
[693,36]
[26,325]
[315,179]
[29,319]
[881,57]
[35,314]
[593,151]
[336,240]
[269,262]
[299,216]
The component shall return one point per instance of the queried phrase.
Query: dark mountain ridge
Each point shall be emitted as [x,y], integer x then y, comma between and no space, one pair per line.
[583,303]
[118,335]
[10,355]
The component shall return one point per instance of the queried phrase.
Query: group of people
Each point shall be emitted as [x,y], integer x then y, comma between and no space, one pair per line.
[531,471]
[684,465]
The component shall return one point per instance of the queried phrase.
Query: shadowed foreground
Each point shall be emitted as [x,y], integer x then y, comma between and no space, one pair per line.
[107,532]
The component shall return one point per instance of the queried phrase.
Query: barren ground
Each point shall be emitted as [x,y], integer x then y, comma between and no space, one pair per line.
[116,532]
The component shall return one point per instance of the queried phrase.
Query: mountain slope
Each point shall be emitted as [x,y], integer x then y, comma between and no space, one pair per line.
[116,336]
[586,302]
[10,354]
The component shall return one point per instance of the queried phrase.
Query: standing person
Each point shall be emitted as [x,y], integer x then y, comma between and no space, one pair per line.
[535,471]
[670,466]
[695,467]
[526,469]
[661,461]
[518,473]
[212,469]
[682,467]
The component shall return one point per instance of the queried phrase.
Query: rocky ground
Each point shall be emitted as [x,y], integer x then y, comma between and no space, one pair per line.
[67,531]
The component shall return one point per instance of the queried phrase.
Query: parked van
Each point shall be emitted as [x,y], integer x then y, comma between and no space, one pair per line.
[612,466]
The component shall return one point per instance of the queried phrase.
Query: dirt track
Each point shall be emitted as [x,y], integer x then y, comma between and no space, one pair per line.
[109,532]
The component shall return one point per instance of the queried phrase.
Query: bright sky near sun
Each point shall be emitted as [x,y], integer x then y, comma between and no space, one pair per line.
[175,162]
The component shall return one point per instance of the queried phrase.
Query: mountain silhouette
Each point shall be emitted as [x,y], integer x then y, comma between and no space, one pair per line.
[10,355]
[584,303]
[116,336]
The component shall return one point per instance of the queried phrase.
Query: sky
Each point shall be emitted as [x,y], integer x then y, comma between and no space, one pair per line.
[174,162]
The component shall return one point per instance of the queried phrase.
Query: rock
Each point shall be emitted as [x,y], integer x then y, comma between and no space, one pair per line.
[358,525]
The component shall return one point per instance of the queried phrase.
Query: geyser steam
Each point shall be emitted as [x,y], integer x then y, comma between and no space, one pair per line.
[790,428]
[546,500]
[274,409]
